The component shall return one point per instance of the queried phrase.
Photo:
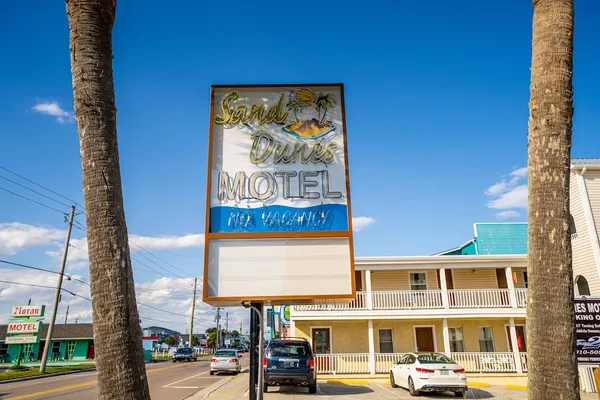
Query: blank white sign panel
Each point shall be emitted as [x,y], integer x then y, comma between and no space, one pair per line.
[279,267]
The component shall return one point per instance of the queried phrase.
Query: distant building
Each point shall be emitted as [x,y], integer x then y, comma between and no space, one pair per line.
[69,342]
[160,331]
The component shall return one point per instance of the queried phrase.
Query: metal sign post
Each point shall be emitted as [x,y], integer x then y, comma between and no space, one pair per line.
[256,351]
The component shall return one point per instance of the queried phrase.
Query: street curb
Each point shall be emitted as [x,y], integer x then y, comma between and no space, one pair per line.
[516,387]
[206,392]
[31,378]
[478,384]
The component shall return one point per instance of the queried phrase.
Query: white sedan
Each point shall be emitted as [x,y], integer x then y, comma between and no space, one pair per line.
[428,372]
[225,360]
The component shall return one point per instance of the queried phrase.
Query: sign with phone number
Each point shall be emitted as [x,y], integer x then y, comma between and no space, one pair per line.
[587,330]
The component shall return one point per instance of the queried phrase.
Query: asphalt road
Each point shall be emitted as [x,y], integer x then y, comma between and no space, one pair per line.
[167,380]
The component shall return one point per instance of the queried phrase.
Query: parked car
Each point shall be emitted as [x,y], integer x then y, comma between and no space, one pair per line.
[225,360]
[185,353]
[241,349]
[289,362]
[428,372]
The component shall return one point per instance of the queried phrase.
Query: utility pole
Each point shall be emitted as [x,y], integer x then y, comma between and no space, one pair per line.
[227,322]
[218,328]
[67,315]
[57,294]
[193,309]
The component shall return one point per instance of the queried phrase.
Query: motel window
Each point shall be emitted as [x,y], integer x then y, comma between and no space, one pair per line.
[3,349]
[582,288]
[486,339]
[386,342]
[55,347]
[525,280]
[418,281]
[457,344]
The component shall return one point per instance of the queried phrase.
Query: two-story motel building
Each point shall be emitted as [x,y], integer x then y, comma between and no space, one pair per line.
[468,302]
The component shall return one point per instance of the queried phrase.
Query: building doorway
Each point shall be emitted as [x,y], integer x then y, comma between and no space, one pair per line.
[90,350]
[521,342]
[321,343]
[424,339]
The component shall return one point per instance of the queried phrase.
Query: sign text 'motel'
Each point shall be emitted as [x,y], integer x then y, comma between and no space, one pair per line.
[24,327]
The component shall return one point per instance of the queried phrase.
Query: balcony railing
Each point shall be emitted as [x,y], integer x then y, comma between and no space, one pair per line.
[407,300]
[479,298]
[358,363]
[425,300]
[521,295]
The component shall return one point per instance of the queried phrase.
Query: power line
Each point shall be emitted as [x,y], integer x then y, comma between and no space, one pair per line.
[69,277]
[34,201]
[157,264]
[41,186]
[44,287]
[35,191]
[160,259]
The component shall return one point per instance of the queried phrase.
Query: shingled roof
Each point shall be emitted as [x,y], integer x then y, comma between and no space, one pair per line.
[61,331]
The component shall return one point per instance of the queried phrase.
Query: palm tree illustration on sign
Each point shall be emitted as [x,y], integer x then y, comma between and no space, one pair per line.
[312,128]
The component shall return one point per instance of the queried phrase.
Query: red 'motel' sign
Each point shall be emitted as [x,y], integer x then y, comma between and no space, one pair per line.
[24,327]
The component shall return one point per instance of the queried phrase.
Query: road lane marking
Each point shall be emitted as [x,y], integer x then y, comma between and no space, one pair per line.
[185,379]
[387,390]
[184,387]
[79,385]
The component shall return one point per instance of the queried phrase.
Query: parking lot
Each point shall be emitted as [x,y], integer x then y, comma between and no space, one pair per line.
[236,389]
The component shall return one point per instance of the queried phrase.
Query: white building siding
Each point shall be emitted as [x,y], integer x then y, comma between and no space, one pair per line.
[583,255]
[592,181]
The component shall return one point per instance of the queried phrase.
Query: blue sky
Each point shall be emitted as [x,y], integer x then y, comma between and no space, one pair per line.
[436,99]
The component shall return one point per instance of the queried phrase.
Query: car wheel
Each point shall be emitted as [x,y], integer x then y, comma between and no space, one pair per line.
[411,388]
[392,381]
[312,389]
[460,394]
[174,360]
[212,372]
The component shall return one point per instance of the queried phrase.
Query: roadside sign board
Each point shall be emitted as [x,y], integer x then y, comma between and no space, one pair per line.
[24,327]
[21,339]
[587,330]
[27,311]
[227,342]
[278,215]
[285,315]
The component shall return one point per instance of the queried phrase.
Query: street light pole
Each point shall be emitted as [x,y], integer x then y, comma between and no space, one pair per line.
[57,294]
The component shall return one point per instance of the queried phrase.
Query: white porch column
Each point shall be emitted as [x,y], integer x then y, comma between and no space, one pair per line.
[292,332]
[371,348]
[369,291]
[515,345]
[446,336]
[444,287]
[511,287]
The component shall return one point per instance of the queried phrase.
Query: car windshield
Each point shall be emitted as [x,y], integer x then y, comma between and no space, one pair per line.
[184,350]
[434,358]
[225,353]
[289,349]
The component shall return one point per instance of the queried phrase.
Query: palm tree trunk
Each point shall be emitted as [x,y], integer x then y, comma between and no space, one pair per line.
[552,364]
[117,331]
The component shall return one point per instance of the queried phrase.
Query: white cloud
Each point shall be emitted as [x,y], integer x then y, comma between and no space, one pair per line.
[508,194]
[360,223]
[168,242]
[15,236]
[54,110]
[508,214]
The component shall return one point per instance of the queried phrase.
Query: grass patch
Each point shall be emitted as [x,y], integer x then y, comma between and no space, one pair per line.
[161,358]
[36,371]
